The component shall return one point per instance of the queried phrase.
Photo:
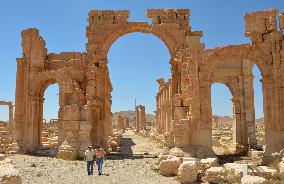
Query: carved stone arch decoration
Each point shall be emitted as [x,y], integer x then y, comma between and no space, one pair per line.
[45,78]
[212,57]
[142,28]
[263,62]
[233,84]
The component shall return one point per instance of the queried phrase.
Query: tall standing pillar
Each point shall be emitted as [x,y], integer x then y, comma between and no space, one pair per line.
[11,118]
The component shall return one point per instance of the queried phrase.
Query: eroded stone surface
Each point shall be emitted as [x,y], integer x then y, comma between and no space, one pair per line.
[248,179]
[170,166]
[187,172]
[183,109]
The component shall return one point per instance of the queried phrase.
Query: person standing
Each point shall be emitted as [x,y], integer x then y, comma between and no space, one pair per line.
[100,155]
[89,157]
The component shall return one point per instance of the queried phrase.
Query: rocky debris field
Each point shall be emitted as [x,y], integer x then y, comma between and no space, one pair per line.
[135,164]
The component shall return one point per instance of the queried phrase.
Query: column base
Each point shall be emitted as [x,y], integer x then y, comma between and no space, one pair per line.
[67,152]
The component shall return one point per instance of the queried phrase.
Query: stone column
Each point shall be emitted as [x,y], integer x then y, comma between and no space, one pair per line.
[273,140]
[250,111]
[143,117]
[120,123]
[40,120]
[137,119]
[11,118]
[237,129]
[71,125]
[20,102]
[33,119]
[202,135]
[242,115]
[84,133]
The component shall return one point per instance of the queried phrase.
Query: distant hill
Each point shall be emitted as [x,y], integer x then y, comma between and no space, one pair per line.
[228,119]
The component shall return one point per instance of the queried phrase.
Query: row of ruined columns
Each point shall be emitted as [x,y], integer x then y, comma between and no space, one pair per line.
[163,106]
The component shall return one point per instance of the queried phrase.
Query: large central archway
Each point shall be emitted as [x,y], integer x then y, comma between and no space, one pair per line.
[136,61]
[105,27]
[140,28]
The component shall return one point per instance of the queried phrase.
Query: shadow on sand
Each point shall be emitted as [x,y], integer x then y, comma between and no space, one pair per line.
[125,151]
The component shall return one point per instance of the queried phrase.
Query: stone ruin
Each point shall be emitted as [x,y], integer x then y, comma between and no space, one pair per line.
[183,103]
[11,114]
[195,69]
[7,143]
[140,118]
[121,123]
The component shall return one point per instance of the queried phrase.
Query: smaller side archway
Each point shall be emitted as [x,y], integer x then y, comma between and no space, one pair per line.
[222,119]
[238,127]
[51,132]
[34,106]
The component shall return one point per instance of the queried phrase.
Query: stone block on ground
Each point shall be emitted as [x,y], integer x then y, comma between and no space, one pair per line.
[163,157]
[281,166]
[214,175]
[2,157]
[66,151]
[187,172]
[170,166]
[206,163]
[268,173]
[248,179]
[235,171]
[256,156]
[177,152]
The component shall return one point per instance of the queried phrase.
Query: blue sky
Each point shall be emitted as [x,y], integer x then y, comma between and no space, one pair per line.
[135,60]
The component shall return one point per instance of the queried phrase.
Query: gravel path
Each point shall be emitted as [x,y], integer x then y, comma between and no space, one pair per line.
[130,170]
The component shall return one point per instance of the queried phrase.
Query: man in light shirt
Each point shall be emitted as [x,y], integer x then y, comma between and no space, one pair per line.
[89,157]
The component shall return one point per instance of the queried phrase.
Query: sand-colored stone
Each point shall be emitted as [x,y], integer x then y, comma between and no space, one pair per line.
[206,163]
[184,110]
[140,118]
[187,172]
[248,179]
[11,114]
[170,166]
[215,175]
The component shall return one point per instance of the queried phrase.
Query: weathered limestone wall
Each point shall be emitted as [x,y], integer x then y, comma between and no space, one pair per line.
[85,86]
[80,119]
[223,65]
[236,74]
[267,39]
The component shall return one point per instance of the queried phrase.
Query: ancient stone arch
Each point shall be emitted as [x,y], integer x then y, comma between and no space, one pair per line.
[213,57]
[233,85]
[168,25]
[85,86]
[229,57]
[167,38]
